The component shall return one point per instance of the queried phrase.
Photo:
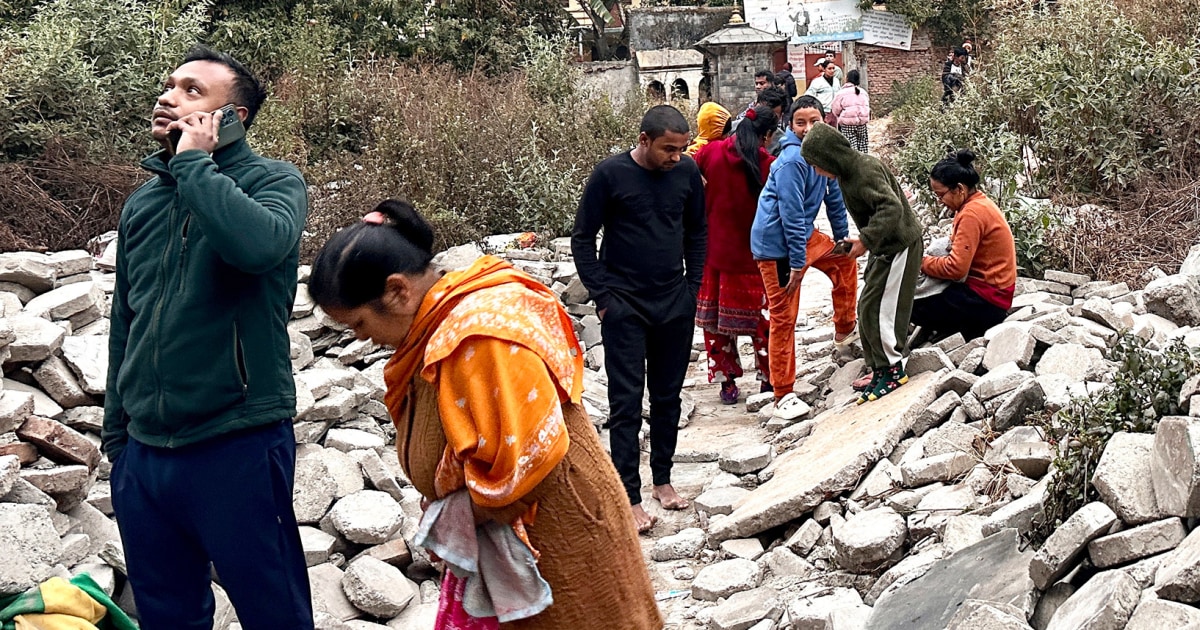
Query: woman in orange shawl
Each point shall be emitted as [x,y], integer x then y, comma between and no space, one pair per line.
[712,124]
[484,390]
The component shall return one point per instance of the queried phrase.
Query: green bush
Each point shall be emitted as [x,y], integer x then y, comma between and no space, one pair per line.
[86,72]
[1145,388]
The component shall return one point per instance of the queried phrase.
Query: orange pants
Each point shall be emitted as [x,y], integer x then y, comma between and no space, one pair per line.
[783,308]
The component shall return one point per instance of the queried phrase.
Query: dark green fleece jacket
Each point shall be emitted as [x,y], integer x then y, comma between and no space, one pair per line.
[206,278]
[886,223]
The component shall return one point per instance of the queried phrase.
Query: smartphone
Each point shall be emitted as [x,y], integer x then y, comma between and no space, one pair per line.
[230,131]
[842,248]
[783,271]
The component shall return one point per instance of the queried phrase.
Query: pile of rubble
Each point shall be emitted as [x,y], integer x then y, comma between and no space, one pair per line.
[912,507]
[913,511]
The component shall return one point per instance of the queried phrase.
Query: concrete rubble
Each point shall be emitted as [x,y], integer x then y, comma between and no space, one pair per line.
[911,507]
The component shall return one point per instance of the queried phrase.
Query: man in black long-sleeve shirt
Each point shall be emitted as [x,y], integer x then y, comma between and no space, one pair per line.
[650,202]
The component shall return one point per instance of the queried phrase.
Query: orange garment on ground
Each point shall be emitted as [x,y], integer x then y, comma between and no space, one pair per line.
[710,126]
[485,392]
[981,247]
[783,308]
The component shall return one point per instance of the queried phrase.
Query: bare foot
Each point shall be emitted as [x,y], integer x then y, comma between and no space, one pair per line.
[669,499]
[643,521]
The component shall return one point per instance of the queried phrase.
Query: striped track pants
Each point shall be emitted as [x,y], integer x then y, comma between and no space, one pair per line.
[885,305]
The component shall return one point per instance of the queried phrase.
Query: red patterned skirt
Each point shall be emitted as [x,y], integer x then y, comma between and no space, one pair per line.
[731,303]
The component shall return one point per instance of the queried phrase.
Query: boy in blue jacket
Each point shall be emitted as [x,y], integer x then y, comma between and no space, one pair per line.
[785,242]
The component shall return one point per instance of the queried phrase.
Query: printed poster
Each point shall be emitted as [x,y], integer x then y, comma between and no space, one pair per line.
[807,22]
[890,30]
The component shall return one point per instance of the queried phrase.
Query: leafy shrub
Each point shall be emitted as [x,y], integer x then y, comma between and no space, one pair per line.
[86,72]
[1145,388]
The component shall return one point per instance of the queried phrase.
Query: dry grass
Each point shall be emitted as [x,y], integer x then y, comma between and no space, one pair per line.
[1123,238]
[60,200]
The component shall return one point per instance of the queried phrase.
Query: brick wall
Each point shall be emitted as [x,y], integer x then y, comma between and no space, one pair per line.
[885,66]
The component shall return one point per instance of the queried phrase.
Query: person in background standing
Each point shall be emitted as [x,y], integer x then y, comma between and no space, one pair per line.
[650,203]
[830,56]
[953,74]
[732,298]
[852,109]
[712,123]
[788,81]
[824,88]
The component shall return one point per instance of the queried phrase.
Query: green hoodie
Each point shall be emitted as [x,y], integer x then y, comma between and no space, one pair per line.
[886,223]
[206,278]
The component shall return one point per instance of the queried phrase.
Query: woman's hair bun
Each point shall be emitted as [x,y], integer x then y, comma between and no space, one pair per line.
[406,220]
[966,157]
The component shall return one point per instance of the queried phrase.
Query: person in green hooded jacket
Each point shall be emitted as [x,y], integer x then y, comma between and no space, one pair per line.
[890,233]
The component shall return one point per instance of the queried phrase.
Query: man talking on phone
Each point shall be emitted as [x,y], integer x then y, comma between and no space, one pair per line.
[200,396]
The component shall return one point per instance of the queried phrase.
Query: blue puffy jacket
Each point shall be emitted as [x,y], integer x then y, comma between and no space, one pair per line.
[788,206]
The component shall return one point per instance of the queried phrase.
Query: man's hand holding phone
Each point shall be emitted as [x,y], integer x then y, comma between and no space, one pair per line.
[207,131]
[197,130]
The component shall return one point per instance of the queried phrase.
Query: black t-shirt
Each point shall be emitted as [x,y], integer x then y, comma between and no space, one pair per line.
[653,223]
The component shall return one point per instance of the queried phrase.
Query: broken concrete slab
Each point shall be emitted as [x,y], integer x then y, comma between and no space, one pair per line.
[993,570]
[1062,550]
[867,540]
[831,460]
[977,615]
[328,596]
[59,382]
[720,500]
[87,357]
[687,543]
[745,548]
[1104,602]
[1175,466]
[34,272]
[746,458]
[816,607]
[1139,542]
[1124,478]
[1072,360]
[1178,577]
[944,467]
[367,517]
[1011,345]
[377,588]
[725,578]
[1153,613]
[743,610]
[1176,298]
[36,338]
[14,408]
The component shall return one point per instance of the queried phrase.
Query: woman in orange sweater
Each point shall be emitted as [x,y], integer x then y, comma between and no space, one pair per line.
[982,260]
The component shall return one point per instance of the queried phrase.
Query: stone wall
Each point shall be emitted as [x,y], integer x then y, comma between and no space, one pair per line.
[734,73]
[655,28]
[616,79]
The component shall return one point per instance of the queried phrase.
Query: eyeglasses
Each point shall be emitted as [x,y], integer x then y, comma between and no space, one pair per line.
[940,195]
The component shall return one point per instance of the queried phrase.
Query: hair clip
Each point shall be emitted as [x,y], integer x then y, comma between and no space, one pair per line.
[751,114]
[374,218]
